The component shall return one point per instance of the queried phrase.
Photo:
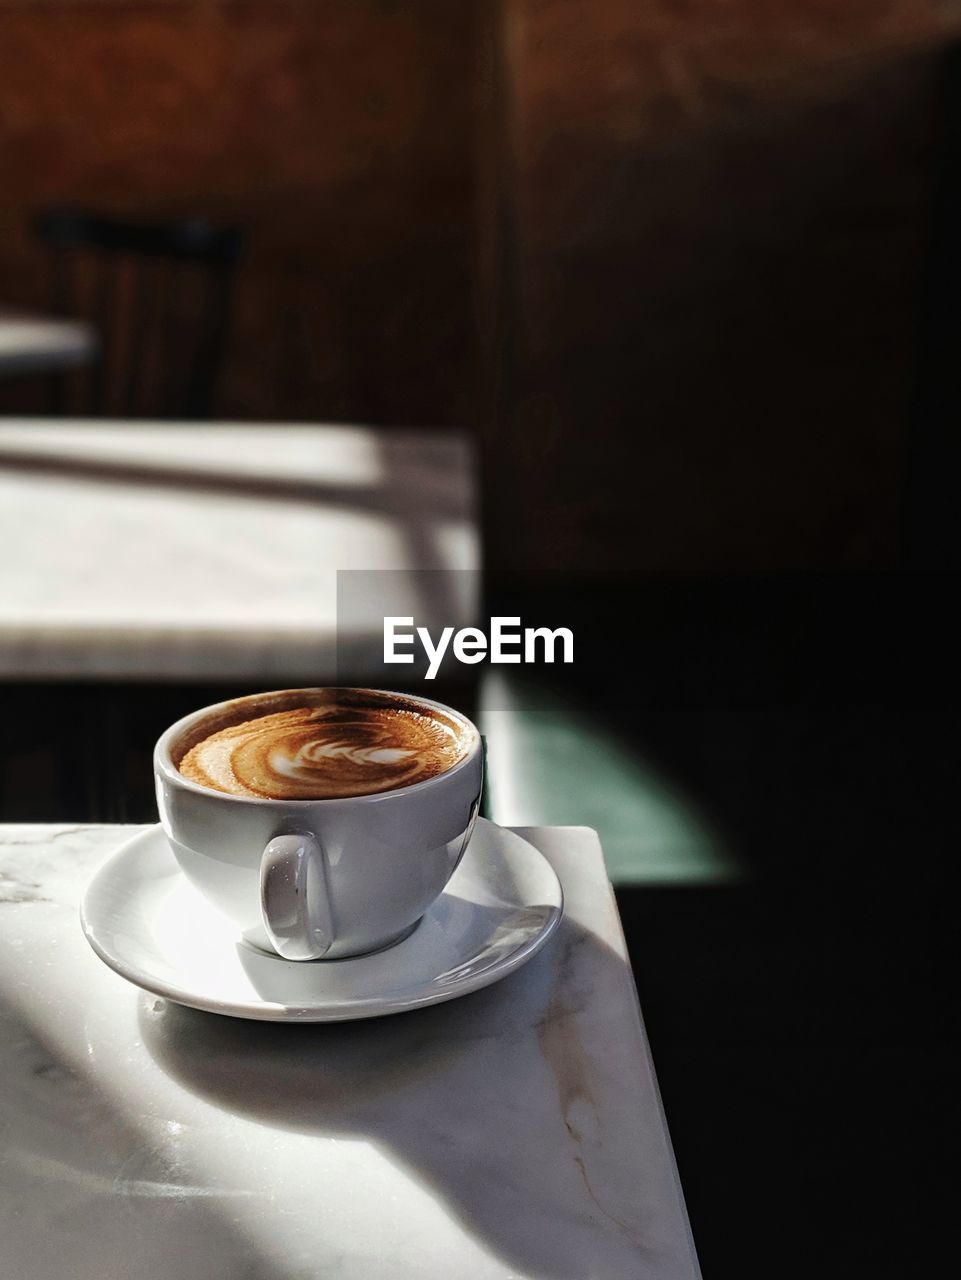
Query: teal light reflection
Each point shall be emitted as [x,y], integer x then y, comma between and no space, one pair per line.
[549,762]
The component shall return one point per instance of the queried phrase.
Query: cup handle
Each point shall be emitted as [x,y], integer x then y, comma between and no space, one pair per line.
[294,897]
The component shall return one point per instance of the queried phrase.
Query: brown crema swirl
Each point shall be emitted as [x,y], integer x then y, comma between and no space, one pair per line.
[326,752]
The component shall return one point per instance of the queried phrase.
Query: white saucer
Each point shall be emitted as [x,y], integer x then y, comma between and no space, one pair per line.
[144,919]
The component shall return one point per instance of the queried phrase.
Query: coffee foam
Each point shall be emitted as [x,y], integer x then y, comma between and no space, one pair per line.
[340,743]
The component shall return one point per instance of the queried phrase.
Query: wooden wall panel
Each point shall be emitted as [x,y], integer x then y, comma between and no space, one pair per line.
[721,207]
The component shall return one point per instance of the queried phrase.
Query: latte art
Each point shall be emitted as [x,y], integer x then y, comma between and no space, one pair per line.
[333,750]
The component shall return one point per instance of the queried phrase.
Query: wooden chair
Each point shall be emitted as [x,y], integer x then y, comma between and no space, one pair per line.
[159,297]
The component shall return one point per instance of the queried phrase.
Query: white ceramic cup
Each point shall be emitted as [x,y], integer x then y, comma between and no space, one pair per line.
[312,879]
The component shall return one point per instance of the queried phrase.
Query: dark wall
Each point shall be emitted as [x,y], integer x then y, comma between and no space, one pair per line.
[337,131]
[720,215]
[716,212]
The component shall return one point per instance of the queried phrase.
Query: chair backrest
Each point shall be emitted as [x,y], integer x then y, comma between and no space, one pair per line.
[159,297]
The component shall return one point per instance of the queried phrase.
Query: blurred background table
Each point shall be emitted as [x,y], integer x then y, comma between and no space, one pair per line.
[149,569]
[517,1131]
[187,552]
[34,344]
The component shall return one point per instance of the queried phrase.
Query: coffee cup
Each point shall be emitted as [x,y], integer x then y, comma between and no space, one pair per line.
[334,875]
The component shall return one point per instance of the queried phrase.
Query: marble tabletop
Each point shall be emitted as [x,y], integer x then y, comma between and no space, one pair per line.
[183,551]
[516,1132]
[36,344]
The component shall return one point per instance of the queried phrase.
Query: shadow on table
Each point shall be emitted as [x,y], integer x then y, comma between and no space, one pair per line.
[459,939]
[502,1125]
[375,498]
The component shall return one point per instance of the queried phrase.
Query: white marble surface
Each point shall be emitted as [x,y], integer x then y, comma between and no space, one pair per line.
[516,1132]
[184,551]
[36,344]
